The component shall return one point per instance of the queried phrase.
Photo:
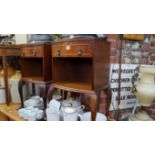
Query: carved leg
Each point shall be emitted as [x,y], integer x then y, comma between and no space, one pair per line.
[105,100]
[64,94]
[33,89]
[44,93]
[51,90]
[93,106]
[20,88]
[85,100]
[90,102]
[109,96]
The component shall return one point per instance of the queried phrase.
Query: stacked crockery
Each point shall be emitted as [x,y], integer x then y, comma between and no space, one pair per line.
[52,112]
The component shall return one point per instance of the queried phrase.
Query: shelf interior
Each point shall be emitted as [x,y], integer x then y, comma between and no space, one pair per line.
[75,85]
[33,67]
[73,71]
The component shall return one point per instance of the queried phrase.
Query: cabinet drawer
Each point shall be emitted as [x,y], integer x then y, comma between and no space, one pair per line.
[32,51]
[77,50]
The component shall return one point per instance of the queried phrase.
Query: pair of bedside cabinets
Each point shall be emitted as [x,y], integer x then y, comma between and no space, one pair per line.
[76,65]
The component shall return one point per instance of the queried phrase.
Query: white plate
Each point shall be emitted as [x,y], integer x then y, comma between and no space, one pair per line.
[99,117]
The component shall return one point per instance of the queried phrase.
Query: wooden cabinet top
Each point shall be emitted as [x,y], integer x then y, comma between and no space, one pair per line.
[79,40]
[10,50]
[36,50]
[11,111]
[10,46]
[79,47]
[36,44]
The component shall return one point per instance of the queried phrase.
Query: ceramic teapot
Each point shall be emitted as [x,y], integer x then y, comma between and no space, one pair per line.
[70,110]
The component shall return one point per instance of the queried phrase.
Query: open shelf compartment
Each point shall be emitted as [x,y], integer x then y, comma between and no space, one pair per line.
[73,73]
[32,68]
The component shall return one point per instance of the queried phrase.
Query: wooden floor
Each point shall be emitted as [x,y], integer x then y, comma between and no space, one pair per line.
[10,112]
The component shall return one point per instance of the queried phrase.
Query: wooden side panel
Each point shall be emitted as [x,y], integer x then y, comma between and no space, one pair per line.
[36,61]
[47,63]
[101,64]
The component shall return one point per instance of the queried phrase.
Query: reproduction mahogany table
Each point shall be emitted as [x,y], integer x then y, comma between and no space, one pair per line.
[81,66]
[36,68]
[5,52]
[9,112]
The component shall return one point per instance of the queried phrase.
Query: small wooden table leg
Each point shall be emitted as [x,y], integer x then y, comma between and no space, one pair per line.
[64,96]
[44,93]
[93,106]
[85,100]
[51,90]
[33,89]
[8,97]
[20,88]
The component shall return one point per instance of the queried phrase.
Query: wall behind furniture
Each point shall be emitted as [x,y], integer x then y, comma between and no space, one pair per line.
[21,38]
[144,56]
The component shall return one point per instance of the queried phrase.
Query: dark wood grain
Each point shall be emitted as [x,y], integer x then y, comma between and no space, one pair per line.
[5,52]
[81,66]
[36,61]
[36,68]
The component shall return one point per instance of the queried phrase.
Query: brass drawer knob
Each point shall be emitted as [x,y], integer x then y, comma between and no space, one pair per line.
[79,51]
[34,52]
[58,52]
[23,54]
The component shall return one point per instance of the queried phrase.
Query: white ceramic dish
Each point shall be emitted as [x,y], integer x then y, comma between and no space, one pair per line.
[52,116]
[87,117]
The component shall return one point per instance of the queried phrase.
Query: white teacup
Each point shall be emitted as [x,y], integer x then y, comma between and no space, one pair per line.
[32,116]
[40,114]
[21,112]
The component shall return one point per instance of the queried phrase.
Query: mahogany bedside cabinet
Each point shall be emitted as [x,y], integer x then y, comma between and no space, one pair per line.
[81,66]
[36,68]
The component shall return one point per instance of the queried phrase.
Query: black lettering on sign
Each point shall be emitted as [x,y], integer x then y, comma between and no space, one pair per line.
[115,71]
[125,71]
[114,89]
[131,97]
[126,89]
[121,98]
[131,103]
[125,80]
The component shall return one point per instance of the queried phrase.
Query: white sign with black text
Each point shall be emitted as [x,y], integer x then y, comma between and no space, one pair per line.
[127,99]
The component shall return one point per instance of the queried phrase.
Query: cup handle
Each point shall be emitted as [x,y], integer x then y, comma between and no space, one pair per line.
[82,107]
